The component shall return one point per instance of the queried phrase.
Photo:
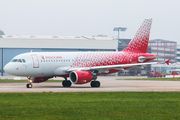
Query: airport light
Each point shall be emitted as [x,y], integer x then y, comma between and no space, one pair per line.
[119,29]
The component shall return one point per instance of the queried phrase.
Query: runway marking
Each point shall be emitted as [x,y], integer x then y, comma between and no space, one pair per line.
[113,85]
[12,86]
[120,88]
[6,88]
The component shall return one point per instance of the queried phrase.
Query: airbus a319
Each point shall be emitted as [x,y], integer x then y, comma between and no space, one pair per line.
[82,67]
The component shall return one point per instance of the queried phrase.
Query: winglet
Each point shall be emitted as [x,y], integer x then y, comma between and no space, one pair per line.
[167,62]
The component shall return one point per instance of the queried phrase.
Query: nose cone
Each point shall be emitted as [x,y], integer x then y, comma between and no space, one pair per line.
[7,68]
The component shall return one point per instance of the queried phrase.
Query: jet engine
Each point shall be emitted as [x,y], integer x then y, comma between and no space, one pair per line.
[80,77]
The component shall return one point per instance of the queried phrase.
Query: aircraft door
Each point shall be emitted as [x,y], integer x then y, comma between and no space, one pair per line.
[35,61]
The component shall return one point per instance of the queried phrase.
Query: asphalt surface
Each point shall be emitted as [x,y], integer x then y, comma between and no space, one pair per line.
[108,83]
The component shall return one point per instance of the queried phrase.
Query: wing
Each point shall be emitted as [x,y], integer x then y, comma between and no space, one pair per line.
[105,68]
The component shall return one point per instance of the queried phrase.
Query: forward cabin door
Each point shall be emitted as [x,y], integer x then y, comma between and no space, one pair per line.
[35,61]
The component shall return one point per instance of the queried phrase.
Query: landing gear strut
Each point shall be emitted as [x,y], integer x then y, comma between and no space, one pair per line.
[95,84]
[66,83]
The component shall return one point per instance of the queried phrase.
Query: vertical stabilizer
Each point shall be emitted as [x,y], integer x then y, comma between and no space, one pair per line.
[140,41]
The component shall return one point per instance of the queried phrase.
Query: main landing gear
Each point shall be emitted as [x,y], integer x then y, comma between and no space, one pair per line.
[95,84]
[29,85]
[66,83]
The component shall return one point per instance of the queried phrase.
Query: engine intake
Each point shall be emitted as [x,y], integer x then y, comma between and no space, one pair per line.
[80,77]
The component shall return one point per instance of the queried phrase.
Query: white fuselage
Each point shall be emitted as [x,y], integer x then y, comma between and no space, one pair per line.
[41,64]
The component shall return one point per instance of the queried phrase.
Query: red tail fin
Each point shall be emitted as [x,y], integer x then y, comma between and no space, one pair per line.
[140,41]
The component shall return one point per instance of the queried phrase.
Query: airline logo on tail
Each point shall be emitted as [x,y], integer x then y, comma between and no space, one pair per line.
[140,41]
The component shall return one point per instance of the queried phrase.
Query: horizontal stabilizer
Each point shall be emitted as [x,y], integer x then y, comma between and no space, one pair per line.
[142,59]
[167,62]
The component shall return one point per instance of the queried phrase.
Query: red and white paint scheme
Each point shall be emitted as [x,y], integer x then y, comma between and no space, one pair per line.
[82,67]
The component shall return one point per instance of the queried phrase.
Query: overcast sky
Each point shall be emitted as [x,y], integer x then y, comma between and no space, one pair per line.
[90,17]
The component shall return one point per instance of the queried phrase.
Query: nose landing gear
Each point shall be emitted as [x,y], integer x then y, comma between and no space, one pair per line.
[29,85]
[30,80]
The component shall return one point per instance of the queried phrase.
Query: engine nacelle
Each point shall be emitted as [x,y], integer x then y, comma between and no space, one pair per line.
[80,77]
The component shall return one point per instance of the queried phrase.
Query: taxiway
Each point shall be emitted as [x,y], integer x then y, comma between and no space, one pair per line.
[108,83]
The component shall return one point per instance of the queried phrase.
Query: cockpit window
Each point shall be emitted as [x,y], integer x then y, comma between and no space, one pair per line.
[23,60]
[14,60]
[19,60]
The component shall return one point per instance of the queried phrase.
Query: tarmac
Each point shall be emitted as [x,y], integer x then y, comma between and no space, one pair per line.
[108,83]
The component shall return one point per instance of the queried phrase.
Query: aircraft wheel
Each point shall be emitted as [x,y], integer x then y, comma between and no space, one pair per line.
[95,84]
[29,85]
[66,83]
[92,83]
[69,83]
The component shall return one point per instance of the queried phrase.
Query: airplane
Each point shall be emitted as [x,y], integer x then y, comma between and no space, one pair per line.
[83,67]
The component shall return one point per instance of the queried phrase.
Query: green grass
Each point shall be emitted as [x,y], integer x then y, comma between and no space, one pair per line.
[17,81]
[160,79]
[91,106]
